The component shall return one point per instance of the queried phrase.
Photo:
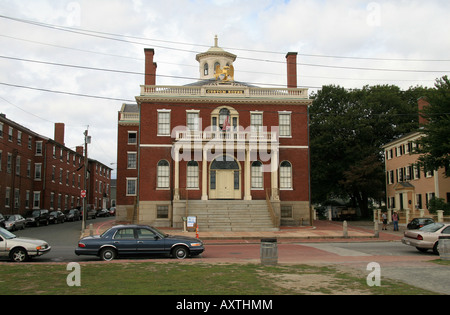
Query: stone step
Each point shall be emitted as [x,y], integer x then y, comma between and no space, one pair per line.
[231,215]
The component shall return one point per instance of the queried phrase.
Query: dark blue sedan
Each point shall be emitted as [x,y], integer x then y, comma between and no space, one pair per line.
[121,240]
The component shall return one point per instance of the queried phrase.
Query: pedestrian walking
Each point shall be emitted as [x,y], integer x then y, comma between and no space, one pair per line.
[384,217]
[395,218]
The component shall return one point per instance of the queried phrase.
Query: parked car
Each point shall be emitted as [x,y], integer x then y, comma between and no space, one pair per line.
[426,237]
[121,240]
[112,211]
[72,215]
[57,217]
[91,213]
[417,223]
[102,213]
[2,221]
[21,249]
[14,222]
[37,217]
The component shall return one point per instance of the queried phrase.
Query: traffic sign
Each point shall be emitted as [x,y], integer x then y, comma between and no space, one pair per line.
[83,194]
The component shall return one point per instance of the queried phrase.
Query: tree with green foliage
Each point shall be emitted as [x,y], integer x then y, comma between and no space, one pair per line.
[347,130]
[435,145]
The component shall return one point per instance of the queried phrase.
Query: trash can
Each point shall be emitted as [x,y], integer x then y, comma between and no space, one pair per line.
[444,247]
[269,252]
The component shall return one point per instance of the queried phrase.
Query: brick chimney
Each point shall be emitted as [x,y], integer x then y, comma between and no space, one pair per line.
[291,59]
[80,150]
[150,67]
[59,133]
[422,103]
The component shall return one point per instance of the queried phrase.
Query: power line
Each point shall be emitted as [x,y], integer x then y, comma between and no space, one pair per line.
[87,32]
[184,65]
[66,93]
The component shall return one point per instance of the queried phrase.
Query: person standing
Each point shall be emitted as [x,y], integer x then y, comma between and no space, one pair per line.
[395,218]
[384,217]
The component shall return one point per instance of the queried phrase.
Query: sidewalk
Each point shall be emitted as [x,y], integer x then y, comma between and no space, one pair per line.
[320,231]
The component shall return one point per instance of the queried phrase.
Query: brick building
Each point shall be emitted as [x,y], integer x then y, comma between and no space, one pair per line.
[37,172]
[232,154]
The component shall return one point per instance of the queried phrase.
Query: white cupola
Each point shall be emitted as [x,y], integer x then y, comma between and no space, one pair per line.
[209,60]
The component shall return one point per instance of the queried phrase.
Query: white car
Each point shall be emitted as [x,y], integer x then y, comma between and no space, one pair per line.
[426,237]
[21,249]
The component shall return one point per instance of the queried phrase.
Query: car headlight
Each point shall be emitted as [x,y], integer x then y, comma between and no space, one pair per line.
[196,244]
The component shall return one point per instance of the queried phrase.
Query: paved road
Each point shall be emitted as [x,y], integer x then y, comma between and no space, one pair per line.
[397,261]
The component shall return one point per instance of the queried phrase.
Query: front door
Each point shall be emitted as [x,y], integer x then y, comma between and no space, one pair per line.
[225,184]
[224,179]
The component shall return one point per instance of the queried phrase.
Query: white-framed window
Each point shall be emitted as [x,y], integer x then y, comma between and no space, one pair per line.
[38,147]
[257,175]
[286,212]
[192,175]
[163,174]
[19,137]
[132,137]
[284,124]
[36,199]
[7,197]
[131,186]
[256,121]
[163,122]
[192,120]
[132,160]
[10,134]
[162,212]
[285,175]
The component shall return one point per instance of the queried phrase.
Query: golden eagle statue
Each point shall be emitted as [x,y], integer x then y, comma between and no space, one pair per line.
[225,74]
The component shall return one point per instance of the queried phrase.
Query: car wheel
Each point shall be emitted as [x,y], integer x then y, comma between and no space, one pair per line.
[436,248]
[180,252]
[108,254]
[19,255]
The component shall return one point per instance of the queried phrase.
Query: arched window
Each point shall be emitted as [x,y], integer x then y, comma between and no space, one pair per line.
[205,69]
[192,174]
[163,174]
[224,115]
[285,175]
[257,175]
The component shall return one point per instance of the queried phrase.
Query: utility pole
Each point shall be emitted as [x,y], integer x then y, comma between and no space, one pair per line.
[87,139]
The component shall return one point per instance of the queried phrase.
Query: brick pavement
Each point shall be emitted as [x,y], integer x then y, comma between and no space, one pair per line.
[321,230]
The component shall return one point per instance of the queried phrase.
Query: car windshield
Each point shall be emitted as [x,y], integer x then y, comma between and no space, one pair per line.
[160,232]
[6,234]
[433,227]
[33,213]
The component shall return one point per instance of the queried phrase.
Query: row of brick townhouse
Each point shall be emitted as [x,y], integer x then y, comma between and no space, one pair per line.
[37,172]
[410,187]
[234,155]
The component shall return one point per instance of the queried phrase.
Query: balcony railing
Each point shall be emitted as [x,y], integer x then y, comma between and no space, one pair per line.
[225,135]
[223,90]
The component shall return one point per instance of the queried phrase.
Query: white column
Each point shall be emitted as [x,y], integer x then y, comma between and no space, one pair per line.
[274,174]
[204,176]
[247,184]
[176,195]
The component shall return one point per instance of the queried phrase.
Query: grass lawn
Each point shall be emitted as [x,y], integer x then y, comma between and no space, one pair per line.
[181,278]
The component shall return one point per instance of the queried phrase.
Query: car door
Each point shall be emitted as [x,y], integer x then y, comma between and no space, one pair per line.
[125,241]
[149,242]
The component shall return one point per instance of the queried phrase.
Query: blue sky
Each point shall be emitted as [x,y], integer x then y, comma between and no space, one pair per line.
[334,39]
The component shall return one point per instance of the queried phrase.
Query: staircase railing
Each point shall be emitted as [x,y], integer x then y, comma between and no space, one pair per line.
[272,213]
